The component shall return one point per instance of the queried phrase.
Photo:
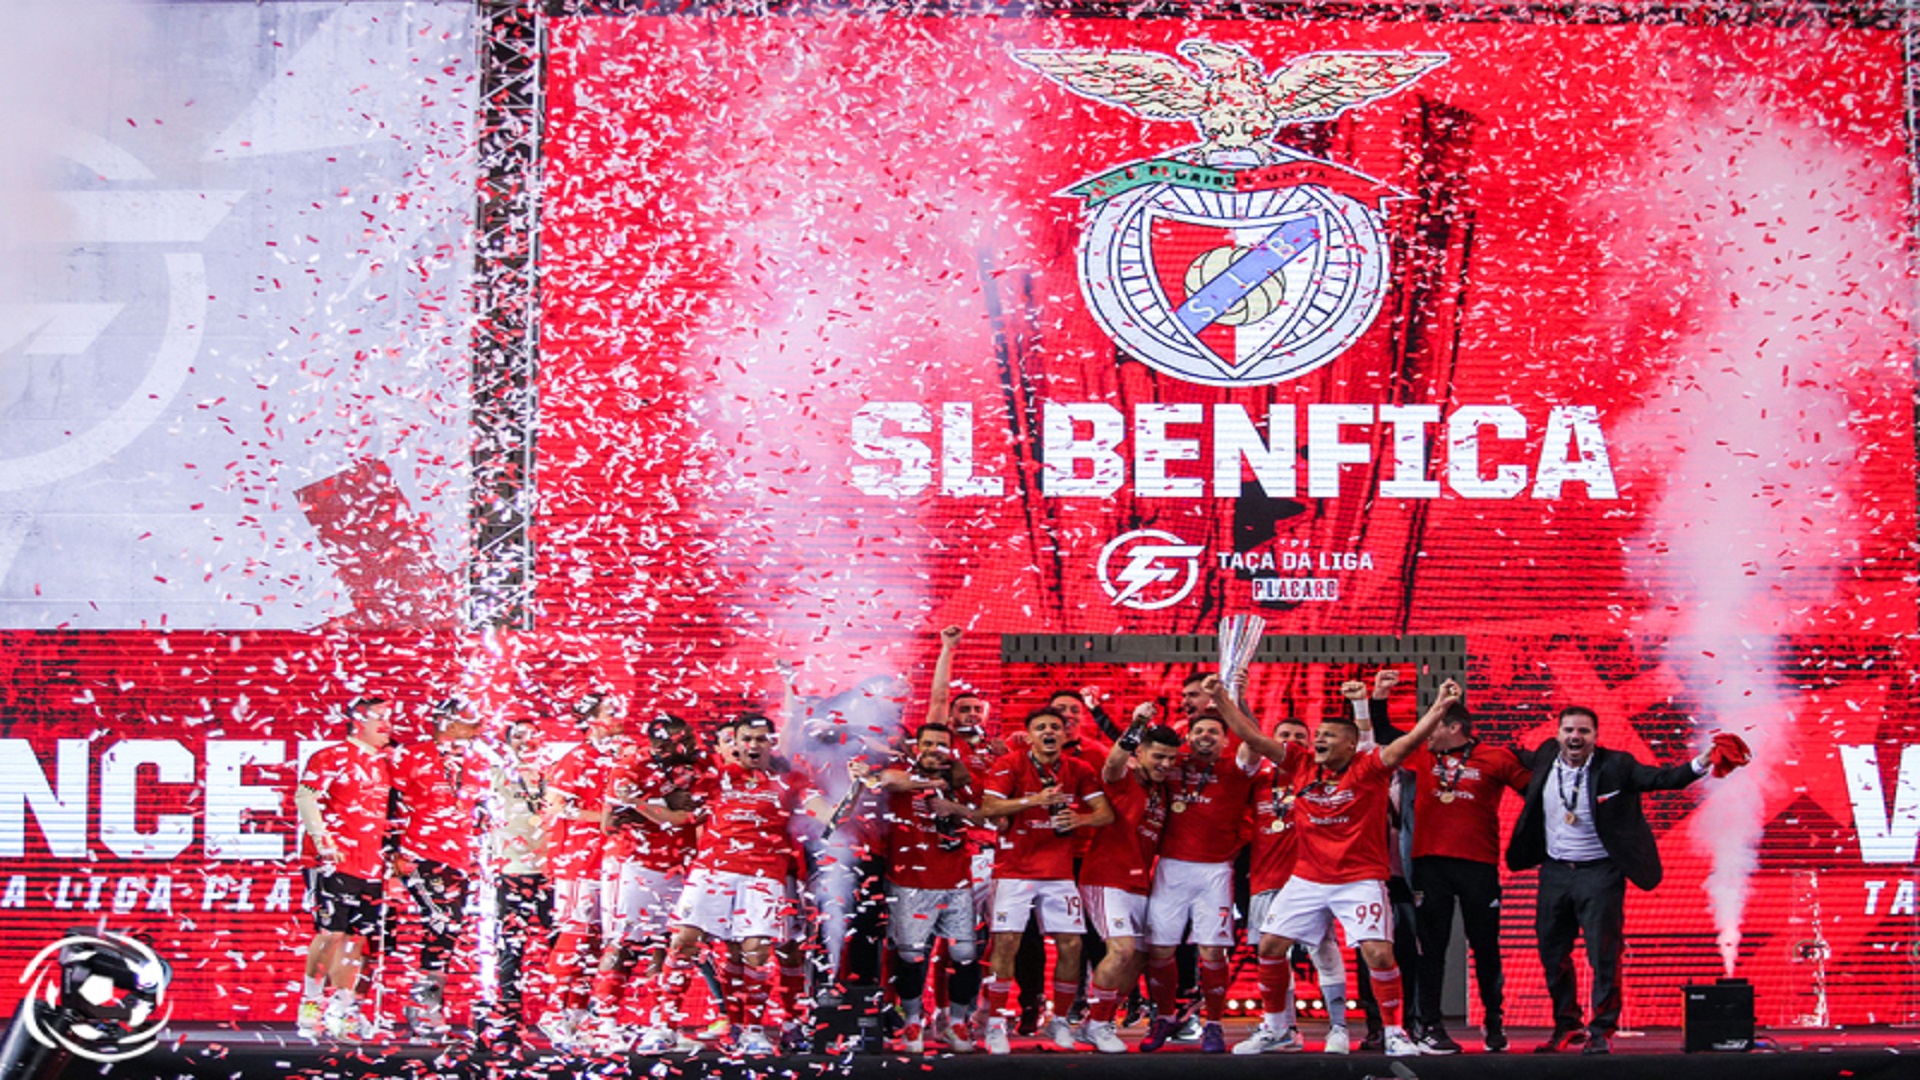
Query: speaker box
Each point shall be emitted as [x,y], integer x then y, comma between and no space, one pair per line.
[1718,1017]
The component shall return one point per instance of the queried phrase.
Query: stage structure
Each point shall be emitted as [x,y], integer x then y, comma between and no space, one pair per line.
[642,345]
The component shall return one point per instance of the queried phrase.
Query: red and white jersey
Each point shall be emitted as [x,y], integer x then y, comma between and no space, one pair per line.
[1209,810]
[354,782]
[639,779]
[1276,832]
[574,842]
[919,854]
[1122,853]
[1456,800]
[1341,818]
[1030,849]
[748,814]
[438,800]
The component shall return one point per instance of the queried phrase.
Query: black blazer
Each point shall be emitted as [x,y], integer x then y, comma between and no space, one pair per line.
[1614,783]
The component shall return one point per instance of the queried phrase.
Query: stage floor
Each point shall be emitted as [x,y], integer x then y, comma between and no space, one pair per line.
[275,1052]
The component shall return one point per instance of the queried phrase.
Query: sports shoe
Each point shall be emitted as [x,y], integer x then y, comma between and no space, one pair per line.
[1496,1038]
[1338,1041]
[959,1037]
[753,1043]
[716,1031]
[1062,1034]
[1265,1040]
[911,1040]
[1374,1041]
[309,1020]
[1400,1044]
[793,1038]
[1437,1041]
[1212,1039]
[558,1030]
[997,1036]
[610,1038]
[1561,1042]
[657,1040]
[343,1021]
[1157,1035]
[939,1022]
[1191,1031]
[1104,1036]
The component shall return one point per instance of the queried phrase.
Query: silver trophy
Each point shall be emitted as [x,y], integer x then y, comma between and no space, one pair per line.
[1239,640]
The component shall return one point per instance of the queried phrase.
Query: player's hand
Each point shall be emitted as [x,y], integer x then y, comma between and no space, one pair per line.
[1052,796]
[1091,695]
[1064,819]
[1213,687]
[1353,689]
[862,773]
[1728,753]
[1384,681]
[1144,713]
[945,807]
[1450,692]
[950,636]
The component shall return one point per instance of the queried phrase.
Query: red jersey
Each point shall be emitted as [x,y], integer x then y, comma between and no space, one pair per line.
[1122,853]
[1030,850]
[1456,800]
[1342,818]
[1209,810]
[638,779]
[1275,833]
[748,811]
[353,781]
[438,804]
[574,846]
[920,855]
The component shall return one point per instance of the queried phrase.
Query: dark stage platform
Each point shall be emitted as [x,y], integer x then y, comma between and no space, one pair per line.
[258,1054]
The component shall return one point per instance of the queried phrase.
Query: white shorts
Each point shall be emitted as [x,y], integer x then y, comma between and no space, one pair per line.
[916,916]
[1305,910]
[1115,912]
[576,904]
[1191,892]
[733,907]
[1257,909]
[982,871]
[635,902]
[1058,900]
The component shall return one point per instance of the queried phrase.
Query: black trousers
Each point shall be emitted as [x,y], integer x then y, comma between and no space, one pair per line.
[521,902]
[1587,900]
[1439,883]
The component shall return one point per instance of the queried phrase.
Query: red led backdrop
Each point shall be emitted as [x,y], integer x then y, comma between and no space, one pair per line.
[825,366]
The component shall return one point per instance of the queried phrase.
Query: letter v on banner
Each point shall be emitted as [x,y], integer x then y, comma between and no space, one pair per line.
[1884,837]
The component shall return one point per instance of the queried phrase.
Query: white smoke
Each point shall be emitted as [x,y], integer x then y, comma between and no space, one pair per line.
[1765,232]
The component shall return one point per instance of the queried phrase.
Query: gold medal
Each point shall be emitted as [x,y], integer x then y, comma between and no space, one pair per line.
[1179,807]
[1570,818]
[1277,826]
[1446,796]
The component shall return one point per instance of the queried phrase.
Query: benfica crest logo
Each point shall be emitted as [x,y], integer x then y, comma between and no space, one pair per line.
[1233,262]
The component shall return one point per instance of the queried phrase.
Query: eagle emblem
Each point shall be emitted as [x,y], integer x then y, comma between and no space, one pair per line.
[1234,261]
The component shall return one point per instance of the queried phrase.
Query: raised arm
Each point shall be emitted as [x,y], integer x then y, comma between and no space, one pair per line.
[1243,726]
[1395,752]
[941,696]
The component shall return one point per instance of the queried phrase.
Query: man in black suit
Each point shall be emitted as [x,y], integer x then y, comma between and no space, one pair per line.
[1582,825]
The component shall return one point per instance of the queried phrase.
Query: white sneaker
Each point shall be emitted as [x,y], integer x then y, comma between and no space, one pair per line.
[557,1029]
[343,1021]
[754,1043]
[309,1020]
[959,1037]
[913,1039]
[611,1038]
[997,1036]
[1400,1044]
[1338,1041]
[1267,1041]
[1104,1036]
[657,1040]
[1191,1031]
[1062,1034]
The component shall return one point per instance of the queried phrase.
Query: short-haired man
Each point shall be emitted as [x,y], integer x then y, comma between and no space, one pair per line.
[343,803]
[929,801]
[738,889]
[523,898]
[1582,825]
[576,808]
[1456,855]
[1117,874]
[437,786]
[1047,798]
[1342,867]
[1193,880]
[1276,850]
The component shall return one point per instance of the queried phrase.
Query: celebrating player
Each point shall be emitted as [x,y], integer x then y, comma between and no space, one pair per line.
[342,799]
[576,804]
[1341,872]
[1041,791]
[437,787]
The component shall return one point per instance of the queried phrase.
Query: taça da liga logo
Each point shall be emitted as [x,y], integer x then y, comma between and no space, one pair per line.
[104,996]
[1149,569]
[1233,261]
